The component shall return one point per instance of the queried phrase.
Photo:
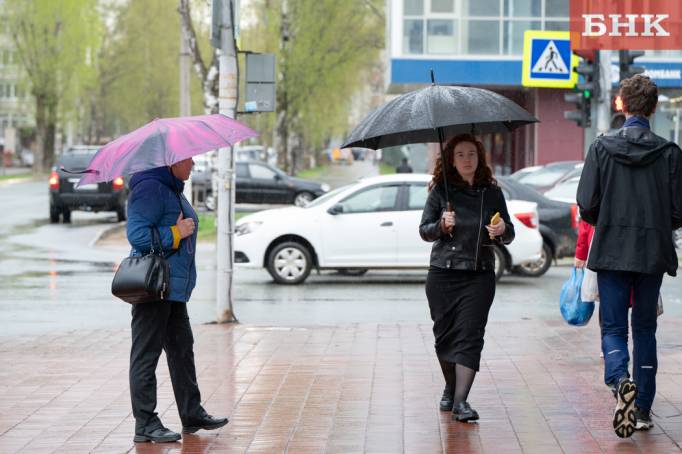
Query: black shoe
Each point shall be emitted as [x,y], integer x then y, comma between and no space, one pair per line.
[158,435]
[463,412]
[624,420]
[447,400]
[207,422]
[643,419]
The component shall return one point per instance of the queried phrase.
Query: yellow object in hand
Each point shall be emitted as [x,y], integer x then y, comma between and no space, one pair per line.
[494,220]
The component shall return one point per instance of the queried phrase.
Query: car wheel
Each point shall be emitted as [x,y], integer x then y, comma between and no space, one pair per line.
[54,214]
[352,271]
[66,215]
[539,267]
[303,198]
[500,262]
[289,263]
[121,213]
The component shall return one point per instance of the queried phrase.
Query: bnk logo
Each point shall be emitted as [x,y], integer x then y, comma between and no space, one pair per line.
[626,24]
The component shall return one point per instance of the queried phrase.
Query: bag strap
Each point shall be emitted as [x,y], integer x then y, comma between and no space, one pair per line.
[156,236]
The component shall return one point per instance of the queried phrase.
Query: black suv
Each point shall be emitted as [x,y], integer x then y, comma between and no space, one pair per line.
[558,225]
[65,197]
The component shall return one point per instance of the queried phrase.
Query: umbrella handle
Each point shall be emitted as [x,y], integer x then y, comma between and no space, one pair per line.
[449,208]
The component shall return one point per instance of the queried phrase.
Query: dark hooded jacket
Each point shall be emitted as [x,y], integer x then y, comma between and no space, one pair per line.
[631,191]
[154,200]
[469,247]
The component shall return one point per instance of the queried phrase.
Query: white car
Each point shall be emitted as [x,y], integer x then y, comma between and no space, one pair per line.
[371,224]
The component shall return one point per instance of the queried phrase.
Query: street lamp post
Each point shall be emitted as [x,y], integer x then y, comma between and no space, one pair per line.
[227,104]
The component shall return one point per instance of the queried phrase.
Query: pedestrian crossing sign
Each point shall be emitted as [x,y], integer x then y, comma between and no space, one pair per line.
[548,60]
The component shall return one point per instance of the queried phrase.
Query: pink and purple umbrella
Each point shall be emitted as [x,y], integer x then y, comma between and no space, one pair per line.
[164,142]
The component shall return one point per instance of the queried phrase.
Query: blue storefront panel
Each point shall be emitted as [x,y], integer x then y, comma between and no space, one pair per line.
[501,72]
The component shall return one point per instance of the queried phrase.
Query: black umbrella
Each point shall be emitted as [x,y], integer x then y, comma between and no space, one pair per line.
[435,114]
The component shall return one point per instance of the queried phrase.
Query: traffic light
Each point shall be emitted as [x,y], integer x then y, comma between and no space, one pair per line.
[626,61]
[586,89]
[617,114]
[583,109]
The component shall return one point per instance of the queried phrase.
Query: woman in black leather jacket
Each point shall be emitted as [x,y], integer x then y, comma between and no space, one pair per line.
[460,285]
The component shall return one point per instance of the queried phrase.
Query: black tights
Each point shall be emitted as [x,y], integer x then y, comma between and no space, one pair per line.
[458,379]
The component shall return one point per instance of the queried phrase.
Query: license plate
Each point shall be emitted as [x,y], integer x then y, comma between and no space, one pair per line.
[86,187]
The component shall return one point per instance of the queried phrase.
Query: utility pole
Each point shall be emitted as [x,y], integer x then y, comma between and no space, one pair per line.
[227,104]
[604,101]
[185,100]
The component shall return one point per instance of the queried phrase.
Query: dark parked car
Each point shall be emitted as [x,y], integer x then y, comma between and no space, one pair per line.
[258,182]
[545,177]
[558,225]
[65,197]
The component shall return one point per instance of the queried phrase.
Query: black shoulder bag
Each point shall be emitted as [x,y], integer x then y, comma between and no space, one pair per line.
[144,279]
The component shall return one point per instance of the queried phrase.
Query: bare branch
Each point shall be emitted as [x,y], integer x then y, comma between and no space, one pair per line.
[191,37]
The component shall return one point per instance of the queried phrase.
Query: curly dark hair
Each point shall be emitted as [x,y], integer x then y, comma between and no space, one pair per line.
[639,94]
[483,175]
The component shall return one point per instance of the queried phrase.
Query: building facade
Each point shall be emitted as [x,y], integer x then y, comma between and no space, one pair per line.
[15,100]
[480,43]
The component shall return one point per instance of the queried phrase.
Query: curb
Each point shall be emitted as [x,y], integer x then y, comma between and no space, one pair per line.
[12,181]
[106,232]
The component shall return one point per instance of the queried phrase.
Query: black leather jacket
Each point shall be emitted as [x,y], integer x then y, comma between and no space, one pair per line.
[469,246]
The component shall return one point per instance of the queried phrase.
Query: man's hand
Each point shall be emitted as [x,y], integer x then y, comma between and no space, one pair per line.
[185,226]
[579,263]
[447,222]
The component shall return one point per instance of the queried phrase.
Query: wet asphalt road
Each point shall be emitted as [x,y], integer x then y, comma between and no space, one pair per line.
[54,278]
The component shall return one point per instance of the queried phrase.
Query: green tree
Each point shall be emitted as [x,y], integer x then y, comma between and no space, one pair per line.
[54,41]
[323,47]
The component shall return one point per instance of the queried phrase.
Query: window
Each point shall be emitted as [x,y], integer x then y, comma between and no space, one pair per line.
[481,7]
[522,8]
[417,195]
[442,6]
[377,198]
[413,7]
[261,172]
[441,37]
[513,35]
[556,8]
[413,36]
[242,171]
[483,37]
[557,26]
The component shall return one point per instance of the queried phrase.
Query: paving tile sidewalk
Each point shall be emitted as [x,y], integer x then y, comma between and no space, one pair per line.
[335,389]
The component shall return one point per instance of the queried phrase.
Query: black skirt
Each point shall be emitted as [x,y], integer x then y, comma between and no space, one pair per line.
[459,302]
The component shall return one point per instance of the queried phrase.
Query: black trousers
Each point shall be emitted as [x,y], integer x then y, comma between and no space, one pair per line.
[162,326]
[459,302]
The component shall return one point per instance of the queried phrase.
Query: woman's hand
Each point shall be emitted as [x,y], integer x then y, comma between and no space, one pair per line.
[496,229]
[579,263]
[185,226]
[447,222]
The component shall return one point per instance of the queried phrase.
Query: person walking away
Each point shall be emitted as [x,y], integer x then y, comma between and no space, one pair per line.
[460,285]
[631,191]
[404,167]
[156,204]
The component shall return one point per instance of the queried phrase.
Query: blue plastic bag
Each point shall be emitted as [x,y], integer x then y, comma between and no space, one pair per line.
[575,311]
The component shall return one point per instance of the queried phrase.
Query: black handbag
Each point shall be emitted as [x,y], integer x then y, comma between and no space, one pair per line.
[143,279]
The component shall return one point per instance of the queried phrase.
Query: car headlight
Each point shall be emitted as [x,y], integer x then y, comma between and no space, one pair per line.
[325,187]
[247,227]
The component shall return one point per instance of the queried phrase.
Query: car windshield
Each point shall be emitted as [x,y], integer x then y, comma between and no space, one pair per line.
[547,176]
[565,190]
[320,200]
[76,160]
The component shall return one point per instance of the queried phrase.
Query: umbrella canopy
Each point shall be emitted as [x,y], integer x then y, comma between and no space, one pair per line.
[416,117]
[163,142]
